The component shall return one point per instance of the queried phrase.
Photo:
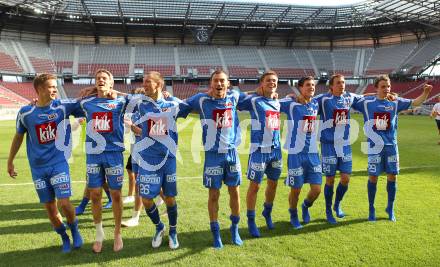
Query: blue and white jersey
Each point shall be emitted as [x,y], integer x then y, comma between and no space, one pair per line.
[334,112]
[302,126]
[265,115]
[47,132]
[219,119]
[380,117]
[105,123]
[159,130]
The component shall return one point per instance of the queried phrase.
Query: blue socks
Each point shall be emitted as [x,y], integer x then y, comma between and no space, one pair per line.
[234,230]
[267,211]
[391,189]
[82,206]
[294,221]
[61,230]
[372,188]
[76,236]
[172,217]
[153,213]
[252,227]
[328,195]
[340,192]
[215,229]
[305,210]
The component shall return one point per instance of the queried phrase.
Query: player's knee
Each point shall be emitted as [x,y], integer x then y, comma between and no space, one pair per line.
[64,203]
[316,190]
[345,179]
[214,195]
[116,195]
[170,201]
[254,187]
[330,180]
[148,202]
[392,177]
[373,179]
[95,195]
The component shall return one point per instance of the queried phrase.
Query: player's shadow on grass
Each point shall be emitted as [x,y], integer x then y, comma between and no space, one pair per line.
[191,243]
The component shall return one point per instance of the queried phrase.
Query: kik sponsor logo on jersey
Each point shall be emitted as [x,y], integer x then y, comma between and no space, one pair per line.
[46,132]
[103,122]
[157,126]
[309,123]
[340,117]
[272,120]
[382,121]
[222,118]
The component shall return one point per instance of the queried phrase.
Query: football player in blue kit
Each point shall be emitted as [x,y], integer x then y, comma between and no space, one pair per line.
[104,147]
[380,127]
[304,165]
[334,111]
[265,155]
[219,120]
[155,153]
[47,130]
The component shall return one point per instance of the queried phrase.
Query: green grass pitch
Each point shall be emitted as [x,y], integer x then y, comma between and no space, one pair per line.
[27,239]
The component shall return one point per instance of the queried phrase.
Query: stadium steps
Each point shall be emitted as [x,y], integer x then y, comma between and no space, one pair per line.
[222,59]
[132,60]
[312,61]
[22,58]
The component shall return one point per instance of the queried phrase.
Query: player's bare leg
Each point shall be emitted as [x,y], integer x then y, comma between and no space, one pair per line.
[96,196]
[117,207]
[131,187]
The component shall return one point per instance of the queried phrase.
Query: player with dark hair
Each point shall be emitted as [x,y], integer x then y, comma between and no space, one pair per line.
[303,163]
[220,125]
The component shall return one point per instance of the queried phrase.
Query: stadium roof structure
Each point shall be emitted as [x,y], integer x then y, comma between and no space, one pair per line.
[221,15]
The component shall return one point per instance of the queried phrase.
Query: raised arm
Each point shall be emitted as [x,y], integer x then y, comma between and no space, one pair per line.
[421,98]
[15,146]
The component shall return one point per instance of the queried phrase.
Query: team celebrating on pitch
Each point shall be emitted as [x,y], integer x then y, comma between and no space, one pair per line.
[153,118]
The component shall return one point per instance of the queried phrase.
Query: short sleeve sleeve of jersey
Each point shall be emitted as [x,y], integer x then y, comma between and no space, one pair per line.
[285,103]
[403,104]
[318,99]
[21,129]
